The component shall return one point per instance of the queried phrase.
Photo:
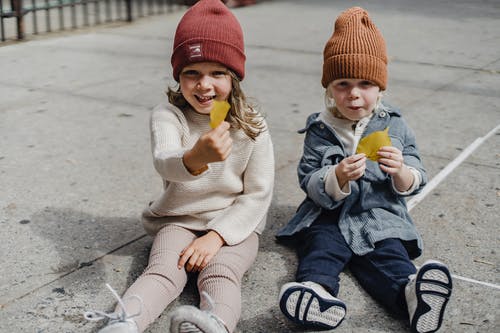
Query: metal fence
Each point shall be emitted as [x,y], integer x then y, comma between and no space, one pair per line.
[21,17]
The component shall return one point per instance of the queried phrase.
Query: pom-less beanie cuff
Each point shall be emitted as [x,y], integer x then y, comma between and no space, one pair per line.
[198,50]
[355,66]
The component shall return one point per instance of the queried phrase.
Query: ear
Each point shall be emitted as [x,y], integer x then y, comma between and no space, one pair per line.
[380,96]
[329,101]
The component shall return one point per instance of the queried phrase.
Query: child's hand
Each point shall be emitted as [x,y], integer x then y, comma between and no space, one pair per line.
[391,160]
[350,168]
[213,146]
[198,254]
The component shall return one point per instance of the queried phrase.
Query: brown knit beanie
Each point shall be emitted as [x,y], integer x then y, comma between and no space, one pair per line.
[208,31]
[356,50]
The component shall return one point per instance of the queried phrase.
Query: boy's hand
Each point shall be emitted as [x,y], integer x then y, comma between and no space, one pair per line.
[391,161]
[199,253]
[213,146]
[350,168]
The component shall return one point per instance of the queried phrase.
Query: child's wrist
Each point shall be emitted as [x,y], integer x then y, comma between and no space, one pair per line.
[193,168]
[216,235]
[405,177]
[340,180]
[198,171]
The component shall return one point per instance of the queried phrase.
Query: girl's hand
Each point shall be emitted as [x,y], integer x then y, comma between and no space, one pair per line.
[213,146]
[391,161]
[350,168]
[199,253]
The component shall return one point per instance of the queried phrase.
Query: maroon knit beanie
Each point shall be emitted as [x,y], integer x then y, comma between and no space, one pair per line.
[208,31]
[356,50]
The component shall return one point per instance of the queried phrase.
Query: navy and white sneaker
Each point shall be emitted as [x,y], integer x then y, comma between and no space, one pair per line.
[427,294]
[309,304]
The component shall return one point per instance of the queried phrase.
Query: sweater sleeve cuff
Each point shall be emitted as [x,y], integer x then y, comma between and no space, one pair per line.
[417,179]
[172,164]
[332,186]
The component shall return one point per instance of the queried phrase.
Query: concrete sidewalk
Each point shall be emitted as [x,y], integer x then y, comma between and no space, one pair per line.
[76,170]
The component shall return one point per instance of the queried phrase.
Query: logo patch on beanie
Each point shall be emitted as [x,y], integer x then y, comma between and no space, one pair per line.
[195,51]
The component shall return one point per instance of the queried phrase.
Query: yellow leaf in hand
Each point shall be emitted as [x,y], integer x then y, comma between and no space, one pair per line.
[218,112]
[370,144]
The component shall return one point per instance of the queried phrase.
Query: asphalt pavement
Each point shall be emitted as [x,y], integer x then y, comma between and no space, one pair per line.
[76,169]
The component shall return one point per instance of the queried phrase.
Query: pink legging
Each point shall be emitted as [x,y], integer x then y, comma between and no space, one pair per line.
[162,281]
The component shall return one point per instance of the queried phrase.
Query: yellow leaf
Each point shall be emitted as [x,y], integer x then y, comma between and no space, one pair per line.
[370,144]
[218,112]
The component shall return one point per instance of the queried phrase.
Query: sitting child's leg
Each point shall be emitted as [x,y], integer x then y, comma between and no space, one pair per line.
[384,273]
[219,284]
[389,276]
[159,285]
[323,254]
[162,282]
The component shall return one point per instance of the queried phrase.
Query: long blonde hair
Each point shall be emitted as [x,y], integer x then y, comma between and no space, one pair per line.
[242,114]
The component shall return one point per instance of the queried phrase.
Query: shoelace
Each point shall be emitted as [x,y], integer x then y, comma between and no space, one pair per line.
[95,315]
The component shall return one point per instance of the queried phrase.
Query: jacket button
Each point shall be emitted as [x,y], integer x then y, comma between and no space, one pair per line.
[322,126]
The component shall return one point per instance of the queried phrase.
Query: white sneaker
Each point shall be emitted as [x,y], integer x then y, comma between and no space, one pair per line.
[118,322]
[427,294]
[127,326]
[190,319]
[309,304]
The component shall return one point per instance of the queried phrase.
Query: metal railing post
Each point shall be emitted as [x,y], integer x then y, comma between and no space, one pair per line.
[2,33]
[128,3]
[17,5]
[35,23]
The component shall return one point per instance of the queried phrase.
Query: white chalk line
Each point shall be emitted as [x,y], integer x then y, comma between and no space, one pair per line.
[449,168]
[487,284]
[441,176]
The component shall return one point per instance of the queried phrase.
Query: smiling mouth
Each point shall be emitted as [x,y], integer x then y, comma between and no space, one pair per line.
[204,99]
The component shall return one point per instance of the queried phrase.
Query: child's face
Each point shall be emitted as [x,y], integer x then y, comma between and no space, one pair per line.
[354,98]
[203,82]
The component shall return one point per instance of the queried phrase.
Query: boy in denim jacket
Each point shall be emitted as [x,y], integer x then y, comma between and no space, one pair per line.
[355,212]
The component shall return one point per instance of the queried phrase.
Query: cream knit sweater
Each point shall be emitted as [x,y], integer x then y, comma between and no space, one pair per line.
[232,197]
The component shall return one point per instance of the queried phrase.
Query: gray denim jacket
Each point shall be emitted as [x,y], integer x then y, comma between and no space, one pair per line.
[373,211]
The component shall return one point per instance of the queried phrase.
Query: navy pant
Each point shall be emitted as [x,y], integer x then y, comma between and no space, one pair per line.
[323,254]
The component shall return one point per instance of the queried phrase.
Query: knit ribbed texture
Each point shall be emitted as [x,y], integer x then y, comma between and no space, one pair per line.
[162,281]
[356,50]
[221,279]
[232,197]
[208,31]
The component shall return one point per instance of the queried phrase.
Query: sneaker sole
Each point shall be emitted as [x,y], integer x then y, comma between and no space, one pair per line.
[187,327]
[433,290]
[303,306]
